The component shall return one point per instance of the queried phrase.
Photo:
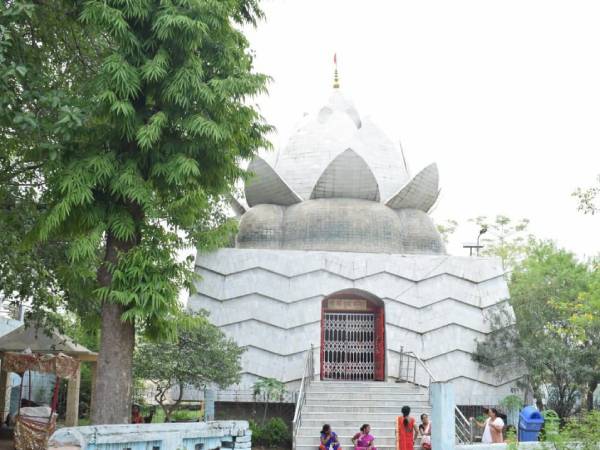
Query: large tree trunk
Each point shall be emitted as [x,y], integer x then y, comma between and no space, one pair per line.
[114,377]
[169,411]
[538,397]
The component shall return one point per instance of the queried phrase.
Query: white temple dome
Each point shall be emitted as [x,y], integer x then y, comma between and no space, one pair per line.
[340,185]
[325,135]
[339,224]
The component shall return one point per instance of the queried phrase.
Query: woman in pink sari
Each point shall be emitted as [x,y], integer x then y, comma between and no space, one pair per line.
[364,440]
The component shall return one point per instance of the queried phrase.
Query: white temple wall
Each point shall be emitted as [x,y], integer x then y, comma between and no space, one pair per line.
[435,306]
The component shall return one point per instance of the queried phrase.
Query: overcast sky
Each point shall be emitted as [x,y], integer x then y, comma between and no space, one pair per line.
[503,95]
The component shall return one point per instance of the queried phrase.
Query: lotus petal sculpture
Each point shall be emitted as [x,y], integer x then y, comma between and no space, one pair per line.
[325,191]
[267,186]
[419,193]
[347,176]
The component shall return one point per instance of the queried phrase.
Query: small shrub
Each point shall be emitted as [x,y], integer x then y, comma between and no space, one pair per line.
[579,432]
[511,402]
[185,415]
[511,439]
[257,437]
[274,433]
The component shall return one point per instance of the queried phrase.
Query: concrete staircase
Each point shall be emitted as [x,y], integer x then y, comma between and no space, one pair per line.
[347,405]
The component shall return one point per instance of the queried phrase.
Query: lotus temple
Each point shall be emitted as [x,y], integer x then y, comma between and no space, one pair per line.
[336,254]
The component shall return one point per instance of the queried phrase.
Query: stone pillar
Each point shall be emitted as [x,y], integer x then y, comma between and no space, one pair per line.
[72,418]
[209,405]
[4,395]
[442,416]
[93,370]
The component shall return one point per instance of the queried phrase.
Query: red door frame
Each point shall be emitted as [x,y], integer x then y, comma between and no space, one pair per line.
[379,311]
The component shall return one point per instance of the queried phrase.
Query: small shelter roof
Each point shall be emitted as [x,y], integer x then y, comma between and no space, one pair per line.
[61,365]
[42,341]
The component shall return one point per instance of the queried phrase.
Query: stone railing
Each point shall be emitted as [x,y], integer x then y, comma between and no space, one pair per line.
[160,436]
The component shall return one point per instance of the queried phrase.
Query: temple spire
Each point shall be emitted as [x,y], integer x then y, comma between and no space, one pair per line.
[336,79]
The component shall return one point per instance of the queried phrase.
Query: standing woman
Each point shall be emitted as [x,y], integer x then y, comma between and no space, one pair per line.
[406,432]
[496,426]
[425,430]
[492,427]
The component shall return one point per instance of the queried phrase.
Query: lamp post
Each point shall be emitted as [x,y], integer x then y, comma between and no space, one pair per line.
[476,246]
[482,231]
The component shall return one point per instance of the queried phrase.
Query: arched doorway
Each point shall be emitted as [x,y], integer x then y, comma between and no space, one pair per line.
[352,337]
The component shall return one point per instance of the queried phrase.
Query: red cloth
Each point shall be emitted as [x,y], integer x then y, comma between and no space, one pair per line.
[405,435]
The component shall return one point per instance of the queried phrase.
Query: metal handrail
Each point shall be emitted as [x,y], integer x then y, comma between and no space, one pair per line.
[464,429]
[422,363]
[307,377]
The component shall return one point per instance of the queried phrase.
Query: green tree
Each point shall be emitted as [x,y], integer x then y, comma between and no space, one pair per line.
[268,390]
[545,279]
[201,355]
[46,59]
[504,238]
[141,140]
[582,327]
[447,229]
[588,198]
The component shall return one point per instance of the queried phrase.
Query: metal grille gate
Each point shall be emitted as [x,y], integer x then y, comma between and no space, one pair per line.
[349,346]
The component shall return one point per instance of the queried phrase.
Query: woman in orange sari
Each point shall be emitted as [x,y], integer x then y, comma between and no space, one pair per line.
[406,432]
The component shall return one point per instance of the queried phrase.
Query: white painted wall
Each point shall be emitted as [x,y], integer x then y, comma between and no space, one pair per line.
[436,306]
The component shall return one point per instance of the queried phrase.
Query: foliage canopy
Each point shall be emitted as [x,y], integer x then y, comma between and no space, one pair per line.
[123,125]
[543,289]
[201,355]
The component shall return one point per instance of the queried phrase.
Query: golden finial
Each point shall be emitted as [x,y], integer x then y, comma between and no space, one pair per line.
[336,79]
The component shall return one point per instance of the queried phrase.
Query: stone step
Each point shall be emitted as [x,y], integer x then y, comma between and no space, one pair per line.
[347,405]
[314,446]
[381,399]
[353,422]
[347,440]
[390,434]
[391,387]
[352,382]
[357,412]
[349,430]
[366,396]
[347,447]
[358,406]
[362,383]
[364,417]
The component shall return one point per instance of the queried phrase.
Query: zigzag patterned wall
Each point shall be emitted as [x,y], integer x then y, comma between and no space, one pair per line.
[436,306]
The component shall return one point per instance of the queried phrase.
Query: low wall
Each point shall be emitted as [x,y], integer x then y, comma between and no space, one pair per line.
[161,436]
[520,446]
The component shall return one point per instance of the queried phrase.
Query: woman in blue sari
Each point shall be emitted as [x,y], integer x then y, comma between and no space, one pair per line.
[329,439]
